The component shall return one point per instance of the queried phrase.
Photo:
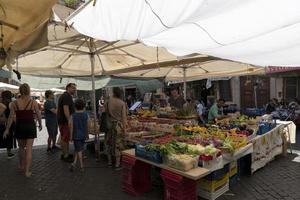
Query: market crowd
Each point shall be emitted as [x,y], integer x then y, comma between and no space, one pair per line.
[20,118]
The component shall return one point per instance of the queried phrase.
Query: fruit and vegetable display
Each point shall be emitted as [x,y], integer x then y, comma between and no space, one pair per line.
[181,143]
[180,150]
[146,113]
[187,112]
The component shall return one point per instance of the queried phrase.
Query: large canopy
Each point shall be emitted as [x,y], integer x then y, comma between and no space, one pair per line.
[68,55]
[198,71]
[264,32]
[23,26]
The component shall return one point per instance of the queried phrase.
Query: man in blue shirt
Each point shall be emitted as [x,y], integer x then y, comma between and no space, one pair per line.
[51,119]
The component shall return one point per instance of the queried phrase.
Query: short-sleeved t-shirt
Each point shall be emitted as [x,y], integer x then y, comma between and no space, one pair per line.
[80,122]
[213,112]
[50,117]
[64,100]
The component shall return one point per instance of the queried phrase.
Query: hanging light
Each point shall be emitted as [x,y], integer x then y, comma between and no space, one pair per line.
[3,53]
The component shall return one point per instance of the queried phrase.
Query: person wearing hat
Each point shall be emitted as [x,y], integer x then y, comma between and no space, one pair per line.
[51,119]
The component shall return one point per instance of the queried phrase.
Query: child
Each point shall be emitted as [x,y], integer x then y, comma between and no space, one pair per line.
[79,130]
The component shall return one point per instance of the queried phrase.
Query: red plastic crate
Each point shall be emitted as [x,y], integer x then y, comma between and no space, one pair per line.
[136,176]
[178,187]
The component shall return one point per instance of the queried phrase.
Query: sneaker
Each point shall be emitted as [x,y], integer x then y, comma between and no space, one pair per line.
[54,147]
[118,168]
[49,150]
[10,155]
[72,167]
[81,169]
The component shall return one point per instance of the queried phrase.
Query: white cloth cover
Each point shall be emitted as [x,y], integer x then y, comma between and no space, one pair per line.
[258,32]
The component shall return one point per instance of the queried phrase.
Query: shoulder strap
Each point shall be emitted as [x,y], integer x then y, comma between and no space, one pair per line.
[30,101]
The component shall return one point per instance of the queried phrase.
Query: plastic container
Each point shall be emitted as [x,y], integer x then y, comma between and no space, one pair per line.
[218,174]
[154,156]
[213,185]
[234,179]
[213,195]
[178,187]
[186,164]
[135,176]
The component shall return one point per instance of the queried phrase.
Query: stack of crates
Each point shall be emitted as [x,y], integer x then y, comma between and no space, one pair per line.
[215,184]
[178,187]
[234,174]
[136,176]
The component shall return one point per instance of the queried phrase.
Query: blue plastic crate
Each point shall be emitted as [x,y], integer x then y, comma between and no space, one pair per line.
[234,179]
[142,152]
[253,112]
[265,127]
[218,174]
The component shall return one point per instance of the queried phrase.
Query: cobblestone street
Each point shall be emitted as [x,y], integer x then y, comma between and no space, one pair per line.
[52,180]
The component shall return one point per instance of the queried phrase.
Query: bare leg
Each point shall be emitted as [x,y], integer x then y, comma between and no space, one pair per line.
[49,142]
[21,144]
[53,141]
[65,148]
[75,159]
[29,143]
[80,159]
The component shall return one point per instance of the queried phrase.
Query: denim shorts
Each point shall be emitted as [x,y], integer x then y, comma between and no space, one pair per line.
[78,145]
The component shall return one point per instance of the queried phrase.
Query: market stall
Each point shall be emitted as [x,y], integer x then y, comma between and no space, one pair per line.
[272,143]
[181,146]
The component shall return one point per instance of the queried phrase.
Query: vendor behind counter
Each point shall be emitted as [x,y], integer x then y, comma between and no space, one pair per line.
[216,110]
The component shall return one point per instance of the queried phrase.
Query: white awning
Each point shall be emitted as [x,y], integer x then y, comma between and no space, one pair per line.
[264,32]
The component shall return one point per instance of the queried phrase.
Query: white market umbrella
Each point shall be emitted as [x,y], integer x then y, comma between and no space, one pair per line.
[23,27]
[197,71]
[264,33]
[69,55]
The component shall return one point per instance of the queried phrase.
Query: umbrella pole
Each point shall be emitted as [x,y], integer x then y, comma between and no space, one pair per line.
[92,57]
[255,96]
[184,82]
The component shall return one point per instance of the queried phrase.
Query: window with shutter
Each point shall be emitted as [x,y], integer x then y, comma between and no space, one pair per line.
[225,90]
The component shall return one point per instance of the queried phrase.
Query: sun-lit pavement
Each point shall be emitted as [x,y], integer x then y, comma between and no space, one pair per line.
[51,180]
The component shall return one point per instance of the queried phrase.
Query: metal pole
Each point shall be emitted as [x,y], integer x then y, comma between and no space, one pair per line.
[184,82]
[92,57]
[255,96]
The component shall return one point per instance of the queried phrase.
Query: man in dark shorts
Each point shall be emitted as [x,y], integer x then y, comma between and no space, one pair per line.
[64,111]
